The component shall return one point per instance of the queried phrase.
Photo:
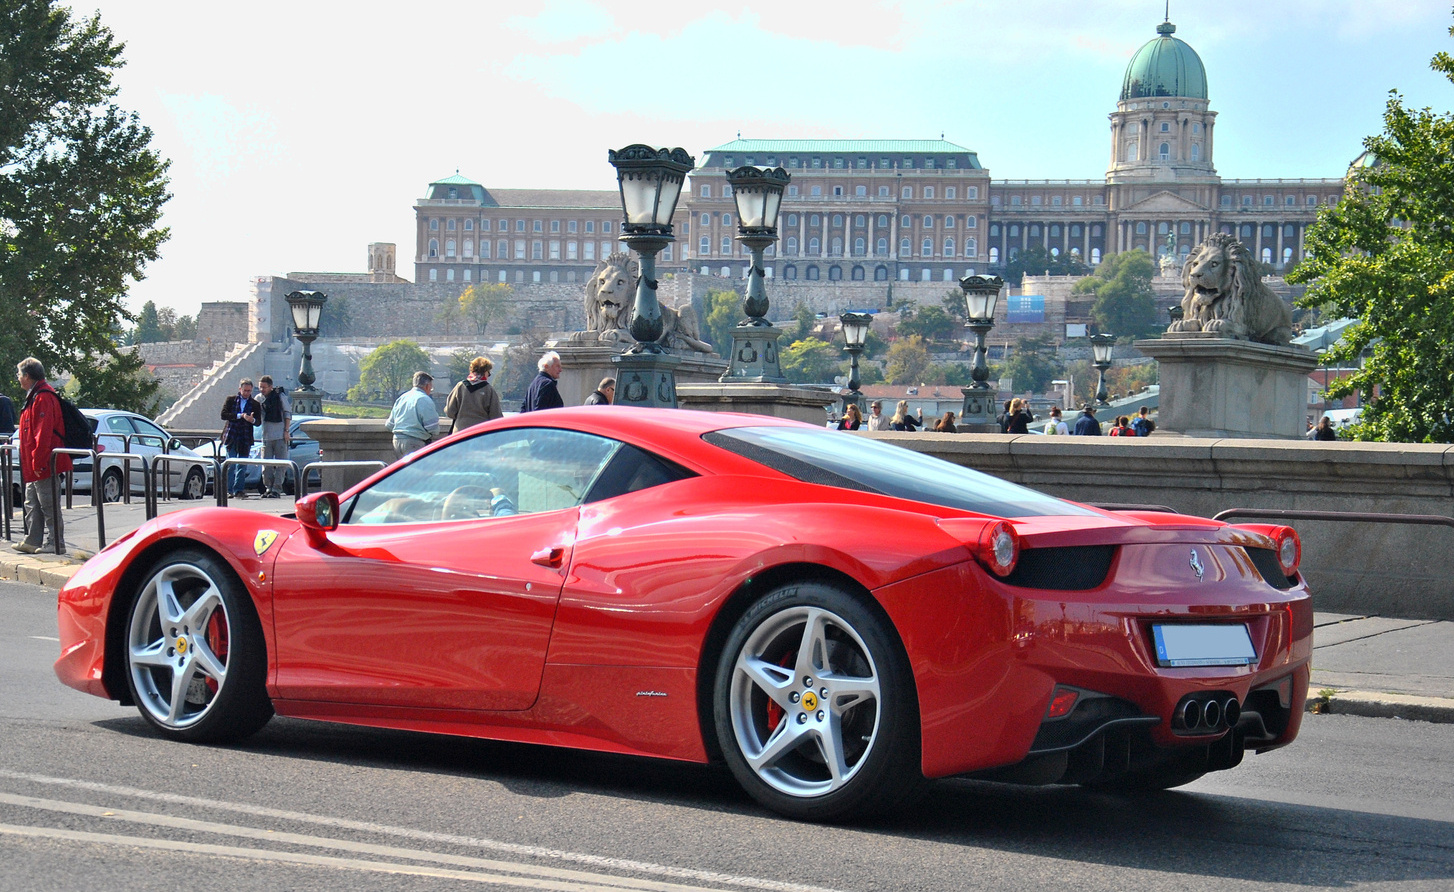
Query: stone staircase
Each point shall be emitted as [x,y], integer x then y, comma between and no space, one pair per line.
[199,407]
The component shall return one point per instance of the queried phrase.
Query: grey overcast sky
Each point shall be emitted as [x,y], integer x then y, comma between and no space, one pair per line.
[301,131]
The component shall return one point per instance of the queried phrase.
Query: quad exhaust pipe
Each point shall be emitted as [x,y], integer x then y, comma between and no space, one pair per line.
[1206,713]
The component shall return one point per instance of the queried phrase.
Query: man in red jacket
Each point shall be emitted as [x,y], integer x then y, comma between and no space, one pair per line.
[42,430]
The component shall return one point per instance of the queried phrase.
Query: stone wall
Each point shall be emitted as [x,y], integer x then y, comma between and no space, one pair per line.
[224,323]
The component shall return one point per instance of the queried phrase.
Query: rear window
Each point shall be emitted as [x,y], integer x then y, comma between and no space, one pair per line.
[832,458]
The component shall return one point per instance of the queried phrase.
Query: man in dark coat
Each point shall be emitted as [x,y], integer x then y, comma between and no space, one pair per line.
[544,392]
[239,413]
[604,394]
[1086,425]
[7,416]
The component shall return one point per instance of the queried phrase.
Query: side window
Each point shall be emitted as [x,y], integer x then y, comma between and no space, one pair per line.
[149,433]
[633,469]
[520,471]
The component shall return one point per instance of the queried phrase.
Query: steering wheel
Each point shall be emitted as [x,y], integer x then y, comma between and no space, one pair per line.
[466,502]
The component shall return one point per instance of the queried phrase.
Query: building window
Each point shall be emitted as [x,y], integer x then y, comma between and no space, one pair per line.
[1246,232]
[1266,255]
[504,275]
[1226,201]
[1287,231]
[971,247]
[519,225]
[948,222]
[519,249]
[571,227]
[704,246]
[1267,230]
[1055,202]
[928,222]
[815,190]
[857,274]
[883,221]
[1165,127]
[1075,230]
[537,250]
[949,247]
[1196,128]
[433,225]
[906,247]
[1291,200]
[590,227]
[790,272]
[903,275]
[726,219]
[882,247]
[858,221]
[812,274]
[1131,150]
[1267,201]
[484,249]
[928,191]
[971,222]
[792,191]
[502,250]
[880,274]
[925,276]
[949,192]
[466,275]
[951,163]
[837,246]
[1014,201]
[484,226]
[449,247]
[449,275]
[793,162]
[1141,228]
[1077,200]
[926,248]
[908,163]
[469,226]
[838,163]
[469,247]
[791,246]
[1095,256]
[835,273]
[537,225]
[929,163]
[434,275]
[994,256]
[817,162]
[813,246]
[883,191]
[1161,229]
[906,221]
[1100,199]
[535,277]
[972,193]
[837,219]
[1165,151]
[1035,201]
[572,250]
[1312,201]
[814,221]
[1246,201]
[860,191]
[555,226]
[588,250]
[1014,230]
[727,161]
[434,247]
[726,246]
[1185,228]
[1196,152]
[906,192]
[706,191]
[1055,230]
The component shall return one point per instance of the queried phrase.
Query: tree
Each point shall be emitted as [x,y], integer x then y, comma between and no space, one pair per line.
[334,320]
[481,303]
[389,371]
[457,364]
[724,311]
[148,325]
[1124,302]
[806,319]
[448,315]
[1037,261]
[1384,255]
[81,190]
[931,324]
[186,329]
[809,361]
[908,360]
[1033,365]
[120,381]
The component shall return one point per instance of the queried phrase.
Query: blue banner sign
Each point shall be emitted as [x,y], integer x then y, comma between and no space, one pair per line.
[1025,308]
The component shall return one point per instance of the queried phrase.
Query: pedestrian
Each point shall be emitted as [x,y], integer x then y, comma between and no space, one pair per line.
[42,431]
[945,425]
[1325,430]
[239,413]
[1086,425]
[877,420]
[277,416]
[604,394]
[1142,423]
[7,416]
[852,419]
[903,421]
[1019,417]
[474,400]
[414,421]
[544,392]
[1056,425]
[1122,427]
[1004,417]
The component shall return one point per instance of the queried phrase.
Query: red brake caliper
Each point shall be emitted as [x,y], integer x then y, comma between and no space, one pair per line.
[774,712]
[217,640]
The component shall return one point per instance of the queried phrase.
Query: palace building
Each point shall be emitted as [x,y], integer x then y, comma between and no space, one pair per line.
[906,210]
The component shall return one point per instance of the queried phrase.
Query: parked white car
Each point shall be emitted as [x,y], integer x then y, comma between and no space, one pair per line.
[112,428]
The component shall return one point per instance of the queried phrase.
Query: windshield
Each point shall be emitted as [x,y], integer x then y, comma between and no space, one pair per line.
[832,458]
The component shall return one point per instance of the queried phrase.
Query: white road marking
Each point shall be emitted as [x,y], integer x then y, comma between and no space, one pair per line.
[646,867]
[46,638]
[247,854]
[571,877]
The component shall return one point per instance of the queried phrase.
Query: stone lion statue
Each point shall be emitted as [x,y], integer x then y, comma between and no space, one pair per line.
[1224,294]
[610,294]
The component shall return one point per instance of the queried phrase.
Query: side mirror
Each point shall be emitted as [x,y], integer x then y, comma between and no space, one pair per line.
[174,445]
[319,511]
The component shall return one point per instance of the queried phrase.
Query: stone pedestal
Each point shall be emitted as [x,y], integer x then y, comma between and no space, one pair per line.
[754,356]
[351,439]
[778,400]
[583,366]
[1215,387]
[646,379]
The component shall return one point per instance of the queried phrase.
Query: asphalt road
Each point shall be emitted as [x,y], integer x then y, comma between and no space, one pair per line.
[89,799]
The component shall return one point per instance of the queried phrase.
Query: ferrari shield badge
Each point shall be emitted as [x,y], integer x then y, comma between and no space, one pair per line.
[264,541]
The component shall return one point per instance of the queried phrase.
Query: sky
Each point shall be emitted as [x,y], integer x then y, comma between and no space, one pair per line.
[299,132]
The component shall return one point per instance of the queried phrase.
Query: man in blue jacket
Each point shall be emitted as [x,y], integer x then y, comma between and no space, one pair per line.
[544,392]
[1086,425]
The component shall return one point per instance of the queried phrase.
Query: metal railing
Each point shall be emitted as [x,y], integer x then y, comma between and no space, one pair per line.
[222,484]
[98,500]
[302,487]
[165,460]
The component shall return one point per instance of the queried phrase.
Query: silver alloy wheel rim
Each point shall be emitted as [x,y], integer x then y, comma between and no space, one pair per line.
[111,487]
[169,656]
[794,756]
[195,486]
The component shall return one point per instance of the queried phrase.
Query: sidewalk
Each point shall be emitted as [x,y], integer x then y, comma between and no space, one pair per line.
[1362,665]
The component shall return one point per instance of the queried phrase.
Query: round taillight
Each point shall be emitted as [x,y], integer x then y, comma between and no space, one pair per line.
[999,548]
[1289,550]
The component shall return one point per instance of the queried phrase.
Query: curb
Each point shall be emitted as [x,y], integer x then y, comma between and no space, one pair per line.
[1385,706]
[52,572]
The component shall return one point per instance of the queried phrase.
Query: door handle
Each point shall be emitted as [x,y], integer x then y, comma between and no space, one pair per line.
[549,557]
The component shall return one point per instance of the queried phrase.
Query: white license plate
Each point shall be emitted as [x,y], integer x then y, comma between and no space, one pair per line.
[1183,644]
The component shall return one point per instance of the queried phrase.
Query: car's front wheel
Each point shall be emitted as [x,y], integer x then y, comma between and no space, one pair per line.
[111,485]
[195,656]
[195,486]
[814,706]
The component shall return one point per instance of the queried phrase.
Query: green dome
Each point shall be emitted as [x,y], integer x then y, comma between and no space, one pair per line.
[1165,67]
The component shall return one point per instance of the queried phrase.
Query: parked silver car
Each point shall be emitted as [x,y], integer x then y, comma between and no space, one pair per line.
[118,431]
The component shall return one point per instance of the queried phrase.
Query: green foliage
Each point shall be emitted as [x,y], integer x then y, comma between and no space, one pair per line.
[1038,261]
[1125,305]
[1033,365]
[481,303]
[908,360]
[806,319]
[185,329]
[724,311]
[957,374]
[809,361]
[334,320]
[148,325]
[81,190]
[389,371]
[1385,255]
[449,316]
[954,305]
[457,366]
[868,373]
[931,324]
[154,325]
[120,381]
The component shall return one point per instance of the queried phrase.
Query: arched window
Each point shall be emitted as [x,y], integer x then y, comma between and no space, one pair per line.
[1165,151]
[449,224]
[905,247]
[883,221]
[928,222]
[859,246]
[449,247]
[1055,230]
[1075,230]
[906,221]
[857,274]
[814,247]
[433,225]
[1266,255]
[880,274]
[469,247]
[837,246]
[971,247]
[1185,228]
[1246,232]
[704,247]
[790,272]
[814,221]
[812,273]
[949,222]
[1096,230]
[994,256]
[792,219]
[835,273]
[1141,228]
[1034,229]
[1131,150]
[469,226]
[837,219]
[1095,256]
[1286,256]
[792,245]
[434,247]
[949,247]
[859,221]
[1267,231]
[926,248]
[994,228]
[1287,231]
[1014,229]
[882,247]
[1196,152]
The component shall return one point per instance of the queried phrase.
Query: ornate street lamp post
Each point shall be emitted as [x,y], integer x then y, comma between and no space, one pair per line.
[855,332]
[1101,345]
[758,192]
[650,181]
[981,293]
[307,308]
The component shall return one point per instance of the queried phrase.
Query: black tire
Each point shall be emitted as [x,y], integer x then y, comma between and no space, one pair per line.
[195,486]
[112,486]
[863,709]
[204,645]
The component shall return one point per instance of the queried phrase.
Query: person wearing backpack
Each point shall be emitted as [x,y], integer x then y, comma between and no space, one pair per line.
[42,431]
[1142,423]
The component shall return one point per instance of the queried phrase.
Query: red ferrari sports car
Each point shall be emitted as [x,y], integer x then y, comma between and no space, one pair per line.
[835,617]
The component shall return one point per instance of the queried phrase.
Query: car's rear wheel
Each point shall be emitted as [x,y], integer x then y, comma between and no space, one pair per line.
[195,657]
[195,486]
[814,706]
[111,485]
